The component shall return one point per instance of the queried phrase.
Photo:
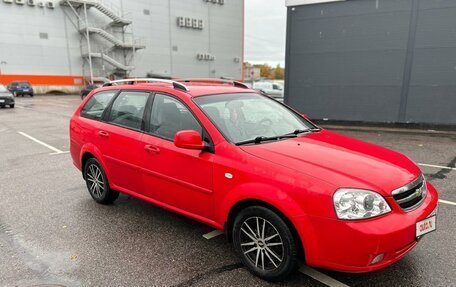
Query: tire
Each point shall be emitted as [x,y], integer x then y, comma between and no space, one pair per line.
[31,95]
[11,106]
[272,259]
[97,183]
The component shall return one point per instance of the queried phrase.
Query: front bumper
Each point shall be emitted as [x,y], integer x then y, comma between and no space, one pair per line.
[4,101]
[22,92]
[350,246]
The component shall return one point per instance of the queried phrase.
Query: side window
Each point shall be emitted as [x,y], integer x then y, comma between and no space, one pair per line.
[170,116]
[128,109]
[95,107]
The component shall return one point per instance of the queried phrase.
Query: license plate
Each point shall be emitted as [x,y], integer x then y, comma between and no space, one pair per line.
[2,101]
[425,226]
[26,90]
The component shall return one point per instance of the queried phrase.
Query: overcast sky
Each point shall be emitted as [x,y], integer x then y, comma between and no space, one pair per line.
[265,29]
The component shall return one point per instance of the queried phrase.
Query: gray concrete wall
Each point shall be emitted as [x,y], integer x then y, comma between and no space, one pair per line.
[373,60]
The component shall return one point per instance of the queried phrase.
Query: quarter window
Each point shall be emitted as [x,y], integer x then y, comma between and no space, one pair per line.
[95,107]
[128,109]
[170,116]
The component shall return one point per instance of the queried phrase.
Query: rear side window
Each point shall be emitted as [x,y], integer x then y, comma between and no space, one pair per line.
[95,107]
[128,109]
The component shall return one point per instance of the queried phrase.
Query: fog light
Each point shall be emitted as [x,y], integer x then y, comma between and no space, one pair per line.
[377,258]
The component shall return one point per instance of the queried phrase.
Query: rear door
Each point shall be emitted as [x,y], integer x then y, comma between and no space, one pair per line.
[120,135]
[85,129]
[180,178]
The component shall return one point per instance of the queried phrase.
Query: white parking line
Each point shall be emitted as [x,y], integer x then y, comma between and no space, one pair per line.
[437,166]
[447,202]
[212,234]
[55,150]
[323,278]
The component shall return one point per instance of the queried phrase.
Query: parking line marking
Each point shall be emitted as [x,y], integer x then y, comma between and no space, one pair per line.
[437,166]
[63,152]
[323,278]
[447,202]
[212,234]
[55,150]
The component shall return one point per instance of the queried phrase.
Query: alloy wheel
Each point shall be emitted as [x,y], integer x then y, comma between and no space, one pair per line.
[261,243]
[95,180]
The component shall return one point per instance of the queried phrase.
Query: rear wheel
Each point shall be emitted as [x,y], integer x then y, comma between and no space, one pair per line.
[97,183]
[265,243]
[11,106]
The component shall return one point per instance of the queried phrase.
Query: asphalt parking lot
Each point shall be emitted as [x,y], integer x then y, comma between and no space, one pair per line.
[52,232]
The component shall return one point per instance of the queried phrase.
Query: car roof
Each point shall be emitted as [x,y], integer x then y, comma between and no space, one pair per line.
[194,89]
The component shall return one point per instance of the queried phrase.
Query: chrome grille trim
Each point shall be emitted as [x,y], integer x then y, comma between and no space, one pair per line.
[412,195]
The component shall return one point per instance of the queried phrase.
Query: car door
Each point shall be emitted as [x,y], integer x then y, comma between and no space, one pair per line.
[120,140]
[177,177]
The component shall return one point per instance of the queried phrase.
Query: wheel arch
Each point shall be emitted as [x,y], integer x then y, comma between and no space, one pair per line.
[91,151]
[247,202]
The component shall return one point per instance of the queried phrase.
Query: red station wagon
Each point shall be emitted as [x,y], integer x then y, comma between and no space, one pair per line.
[281,188]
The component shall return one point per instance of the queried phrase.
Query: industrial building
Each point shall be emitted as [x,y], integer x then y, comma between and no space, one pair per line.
[372,60]
[60,45]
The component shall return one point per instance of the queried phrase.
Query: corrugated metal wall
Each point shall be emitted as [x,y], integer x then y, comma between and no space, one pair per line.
[373,60]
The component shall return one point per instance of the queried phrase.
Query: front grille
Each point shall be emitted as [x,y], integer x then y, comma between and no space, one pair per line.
[412,195]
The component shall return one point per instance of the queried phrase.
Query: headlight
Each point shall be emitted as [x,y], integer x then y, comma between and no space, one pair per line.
[352,204]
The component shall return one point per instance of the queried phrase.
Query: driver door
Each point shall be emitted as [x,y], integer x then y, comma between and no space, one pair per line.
[177,177]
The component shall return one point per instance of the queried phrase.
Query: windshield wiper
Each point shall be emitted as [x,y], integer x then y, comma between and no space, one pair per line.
[261,139]
[301,131]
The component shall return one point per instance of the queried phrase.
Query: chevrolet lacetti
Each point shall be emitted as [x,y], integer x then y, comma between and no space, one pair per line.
[282,189]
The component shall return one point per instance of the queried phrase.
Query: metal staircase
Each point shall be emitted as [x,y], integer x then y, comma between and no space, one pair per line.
[115,44]
[116,19]
[110,60]
[111,38]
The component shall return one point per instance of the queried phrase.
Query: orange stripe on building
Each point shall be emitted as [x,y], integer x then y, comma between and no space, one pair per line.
[49,80]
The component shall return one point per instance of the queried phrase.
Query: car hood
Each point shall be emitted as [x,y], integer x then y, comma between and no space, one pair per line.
[341,161]
[5,94]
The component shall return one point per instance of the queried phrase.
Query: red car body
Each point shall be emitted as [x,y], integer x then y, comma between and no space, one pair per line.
[297,177]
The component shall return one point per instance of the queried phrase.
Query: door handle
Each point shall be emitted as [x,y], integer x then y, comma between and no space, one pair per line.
[152,149]
[103,134]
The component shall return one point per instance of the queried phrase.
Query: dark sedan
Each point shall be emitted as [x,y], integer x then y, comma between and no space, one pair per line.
[6,98]
[87,89]
[21,89]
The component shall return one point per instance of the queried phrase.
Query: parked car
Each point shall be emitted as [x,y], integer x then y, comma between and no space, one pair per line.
[281,188]
[88,88]
[6,98]
[21,89]
[272,89]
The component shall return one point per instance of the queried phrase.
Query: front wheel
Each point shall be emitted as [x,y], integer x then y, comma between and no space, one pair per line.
[12,106]
[265,243]
[97,183]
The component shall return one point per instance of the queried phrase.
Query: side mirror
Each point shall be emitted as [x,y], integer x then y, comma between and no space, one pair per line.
[189,139]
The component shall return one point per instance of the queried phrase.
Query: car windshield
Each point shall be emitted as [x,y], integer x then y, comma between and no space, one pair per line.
[2,89]
[252,118]
[23,84]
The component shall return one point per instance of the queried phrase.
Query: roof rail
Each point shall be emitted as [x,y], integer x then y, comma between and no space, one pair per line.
[175,84]
[215,80]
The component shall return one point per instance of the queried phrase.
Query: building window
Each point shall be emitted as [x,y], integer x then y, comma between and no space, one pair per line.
[44,36]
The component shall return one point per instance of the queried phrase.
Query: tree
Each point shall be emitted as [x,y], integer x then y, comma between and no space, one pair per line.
[279,72]
[265,71]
